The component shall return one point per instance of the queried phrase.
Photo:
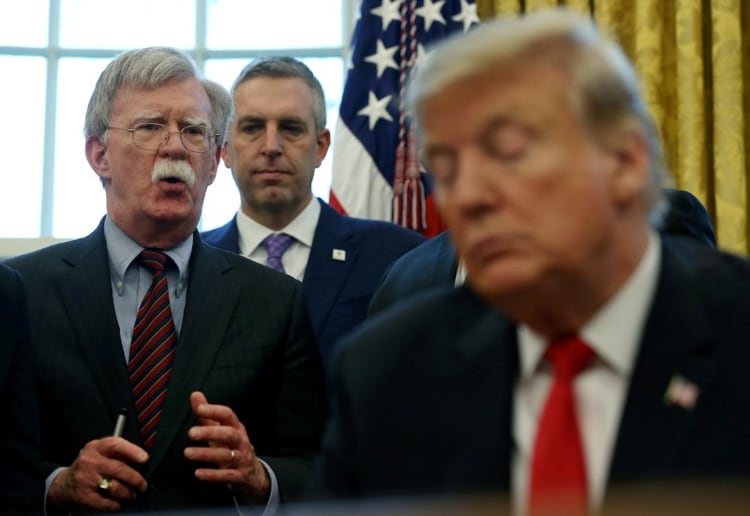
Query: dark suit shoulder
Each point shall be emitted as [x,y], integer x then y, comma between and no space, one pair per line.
[687,217]
[410,331]
[8,279]
[412,263]
[224,237]
[48,261]
[12,297]
[367,231]
[431,263]
[383,237]
[235,265]
[704,265]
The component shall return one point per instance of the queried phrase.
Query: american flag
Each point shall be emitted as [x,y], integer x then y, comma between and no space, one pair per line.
[375,171]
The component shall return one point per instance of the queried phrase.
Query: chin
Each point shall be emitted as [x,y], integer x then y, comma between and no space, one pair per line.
[175,214]
[502,281]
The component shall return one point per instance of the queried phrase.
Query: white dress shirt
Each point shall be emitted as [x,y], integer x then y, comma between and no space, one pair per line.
[302,228]
[614,333]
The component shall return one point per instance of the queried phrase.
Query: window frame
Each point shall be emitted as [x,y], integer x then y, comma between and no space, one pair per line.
[53,53]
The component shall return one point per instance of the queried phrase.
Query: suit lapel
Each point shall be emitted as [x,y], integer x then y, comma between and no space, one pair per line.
[208,312]
[86,293]
[479,376]
[677,343]
[324,275]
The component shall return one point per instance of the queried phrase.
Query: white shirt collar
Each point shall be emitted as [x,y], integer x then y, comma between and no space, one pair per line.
[614,332]
[302,228]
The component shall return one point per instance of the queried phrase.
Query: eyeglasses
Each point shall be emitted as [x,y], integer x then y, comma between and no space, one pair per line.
[153,136]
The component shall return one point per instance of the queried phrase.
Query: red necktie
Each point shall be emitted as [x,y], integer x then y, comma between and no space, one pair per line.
[152,348]
[558,469]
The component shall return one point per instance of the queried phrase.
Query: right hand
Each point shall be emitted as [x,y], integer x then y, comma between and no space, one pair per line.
[109,457]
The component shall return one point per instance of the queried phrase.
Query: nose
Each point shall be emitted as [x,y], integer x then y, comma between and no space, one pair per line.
[477,184]
[172,145]
[271,146]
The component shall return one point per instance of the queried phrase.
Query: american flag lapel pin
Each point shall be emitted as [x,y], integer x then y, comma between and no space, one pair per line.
[339,255]
[681,392]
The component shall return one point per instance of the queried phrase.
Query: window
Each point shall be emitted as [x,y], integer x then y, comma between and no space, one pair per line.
[52,51]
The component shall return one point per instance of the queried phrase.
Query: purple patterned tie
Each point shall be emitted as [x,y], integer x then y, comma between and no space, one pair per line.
[153,347]
[276,245]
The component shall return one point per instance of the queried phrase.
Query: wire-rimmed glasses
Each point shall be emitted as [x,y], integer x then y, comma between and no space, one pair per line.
[153,136]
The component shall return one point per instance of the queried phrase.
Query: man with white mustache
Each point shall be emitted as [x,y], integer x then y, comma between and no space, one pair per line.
[173,170]
[202,361]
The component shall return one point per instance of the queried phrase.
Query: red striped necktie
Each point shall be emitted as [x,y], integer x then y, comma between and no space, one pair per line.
[153,347]
[558,469]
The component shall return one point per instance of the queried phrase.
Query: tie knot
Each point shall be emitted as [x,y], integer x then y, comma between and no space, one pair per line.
[569,356]
[154,260]
[277,244]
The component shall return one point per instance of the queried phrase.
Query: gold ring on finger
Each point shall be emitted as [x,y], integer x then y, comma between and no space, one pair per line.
[104,485]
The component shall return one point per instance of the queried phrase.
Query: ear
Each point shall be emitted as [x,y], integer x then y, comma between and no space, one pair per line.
[323,143]
[630,174]
[96,155]
[226,156]
[215,160]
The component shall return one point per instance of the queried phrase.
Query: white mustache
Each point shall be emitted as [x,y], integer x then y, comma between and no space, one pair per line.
[166,168]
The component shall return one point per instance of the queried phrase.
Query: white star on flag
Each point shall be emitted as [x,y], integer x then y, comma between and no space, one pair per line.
[376,109]
[388,12]
[468,14]
[431,13]
[383,58]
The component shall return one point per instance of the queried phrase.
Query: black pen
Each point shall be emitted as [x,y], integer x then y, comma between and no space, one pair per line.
[120,423]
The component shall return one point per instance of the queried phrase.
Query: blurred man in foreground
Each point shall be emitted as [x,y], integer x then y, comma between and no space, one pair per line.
[586,349]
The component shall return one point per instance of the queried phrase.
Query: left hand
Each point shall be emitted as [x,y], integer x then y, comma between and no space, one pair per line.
[229,448]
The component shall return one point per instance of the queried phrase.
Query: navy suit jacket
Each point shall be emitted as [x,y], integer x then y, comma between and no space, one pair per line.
[338,292]
[245,342]
[422,395]
[21,482]
[434,262]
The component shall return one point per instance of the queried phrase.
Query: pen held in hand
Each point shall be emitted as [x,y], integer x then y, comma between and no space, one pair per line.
[104,485]
[122,417]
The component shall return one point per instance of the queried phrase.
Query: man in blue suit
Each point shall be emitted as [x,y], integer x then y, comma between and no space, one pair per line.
[277,139]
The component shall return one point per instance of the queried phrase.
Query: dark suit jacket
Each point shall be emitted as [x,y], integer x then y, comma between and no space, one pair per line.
[245,342]
[687,217]
[21,483]
[422,394]
[434,262]
[338,292]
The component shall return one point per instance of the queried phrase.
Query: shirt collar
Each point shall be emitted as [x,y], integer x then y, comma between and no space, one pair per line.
[123,250]
[614,332]
[302,228]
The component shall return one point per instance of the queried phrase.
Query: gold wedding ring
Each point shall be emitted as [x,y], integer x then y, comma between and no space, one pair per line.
[233,457]
[104,485]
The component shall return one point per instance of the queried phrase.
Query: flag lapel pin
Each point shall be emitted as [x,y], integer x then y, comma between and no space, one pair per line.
[339,255]
[681,392]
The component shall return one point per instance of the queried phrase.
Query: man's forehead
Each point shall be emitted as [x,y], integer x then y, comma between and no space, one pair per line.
[174,99]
